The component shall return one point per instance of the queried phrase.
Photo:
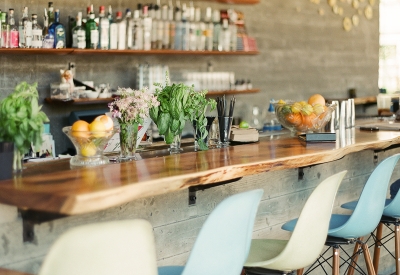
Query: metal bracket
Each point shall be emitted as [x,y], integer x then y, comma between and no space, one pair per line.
[376,157]
[300,173]
[32,217]
[194,189]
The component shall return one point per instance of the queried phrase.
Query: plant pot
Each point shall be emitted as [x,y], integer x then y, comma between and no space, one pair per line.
[6,160]
[127,139]
[175,146]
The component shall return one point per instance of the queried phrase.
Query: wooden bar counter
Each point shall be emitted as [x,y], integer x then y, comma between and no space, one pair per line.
[55,187]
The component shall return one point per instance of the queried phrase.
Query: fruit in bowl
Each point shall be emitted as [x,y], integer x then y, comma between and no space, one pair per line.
[304,116]
[90,140]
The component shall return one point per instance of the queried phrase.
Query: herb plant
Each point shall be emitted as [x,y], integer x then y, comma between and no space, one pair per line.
[21,120]
[180,103]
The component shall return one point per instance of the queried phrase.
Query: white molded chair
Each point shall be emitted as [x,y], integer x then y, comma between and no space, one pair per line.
[117,247]
[307,239]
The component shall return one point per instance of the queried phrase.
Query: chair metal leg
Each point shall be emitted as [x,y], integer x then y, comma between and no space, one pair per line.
[397,247]
[335,261]
[377,248]
[301,271]
[368,259]
[354,258]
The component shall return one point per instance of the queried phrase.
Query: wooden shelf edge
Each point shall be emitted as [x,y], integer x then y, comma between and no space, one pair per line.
[246,2]
[80,101]
[232,92]
[117,52]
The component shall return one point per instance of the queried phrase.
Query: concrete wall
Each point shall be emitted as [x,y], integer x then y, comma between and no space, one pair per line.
[301,53]
[176,224]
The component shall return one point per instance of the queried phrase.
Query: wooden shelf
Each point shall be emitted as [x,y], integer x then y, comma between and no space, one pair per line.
[116,52]
[80,101]
[358,100]
[232,92]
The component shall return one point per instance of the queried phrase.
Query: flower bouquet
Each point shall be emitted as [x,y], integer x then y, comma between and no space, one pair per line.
[131,109]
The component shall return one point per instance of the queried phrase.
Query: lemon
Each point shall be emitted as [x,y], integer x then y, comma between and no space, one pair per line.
[244,124]
[88,150]
[98,128]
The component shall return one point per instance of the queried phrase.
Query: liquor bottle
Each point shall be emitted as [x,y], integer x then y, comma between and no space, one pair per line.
[147,26]
[50,13]
[89,10]
[217,29]
[92,33]
[185,29]
[224,41]
[114,31]
[178,29]
[48,38]
[153,14]
[79,34]
[129,29]
[104,28]
[165,30]
[137,31]
[5,31]
[58,31]
[200,31]
[25,30]
[233,29]
[192,28]
[13,41]
[109,14]
[37,33]
[172,26]
[1,27]
[209,30]
[121,23]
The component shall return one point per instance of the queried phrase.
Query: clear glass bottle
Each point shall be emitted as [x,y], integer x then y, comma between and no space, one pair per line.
[114,31]
[48,38]
[209,28]
[178,29]
[192,28]
[155,18]
[37,33]
[1,27]
[137,31]
[5,31]
[58,31]
[104,28]
[14,33]
[79,34]
[185,29]
[200,31]
[25,30]
[233,29]
[217,29]
[147,26]
[171,26]
[92,33]
[129,29]
[224,41]
[121,23]
[50,14]
[271,122]
[166,28]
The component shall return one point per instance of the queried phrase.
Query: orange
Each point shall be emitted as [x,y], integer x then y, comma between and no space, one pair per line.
[316,99]
[107,121]
[80,128]
[88,150]
[308,121]
[98,128]
[294,119]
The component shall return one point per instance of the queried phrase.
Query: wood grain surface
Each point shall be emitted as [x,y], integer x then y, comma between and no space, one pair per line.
[12,272]
[57,188]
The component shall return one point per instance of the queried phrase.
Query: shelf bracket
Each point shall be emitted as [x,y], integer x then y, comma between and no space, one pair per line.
[193,189]
[30,218]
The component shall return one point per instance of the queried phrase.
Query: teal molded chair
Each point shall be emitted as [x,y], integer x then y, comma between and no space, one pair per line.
[390,216]
[224,240]
[348,229]
[124,247]
[307,240]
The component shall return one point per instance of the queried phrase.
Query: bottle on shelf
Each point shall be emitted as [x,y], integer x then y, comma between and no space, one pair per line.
[50,13]
[121,23]
[79,34]
[48,38]
[13,41]
[192,28]
[129,29]
[5,31]
[224,41]
[233,29]
[217,29]
[209,27]
[271,122]
[154,13]
[137,32]
[147,26]
[178,29]
[37,33]
[172,25]
[185,29]
[104,28]
[58,31]
[25,30]
[166,27]
[200,31]
[114,30]
[92,33]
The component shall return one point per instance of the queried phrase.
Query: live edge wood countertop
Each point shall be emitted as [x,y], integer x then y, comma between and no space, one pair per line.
[57,188]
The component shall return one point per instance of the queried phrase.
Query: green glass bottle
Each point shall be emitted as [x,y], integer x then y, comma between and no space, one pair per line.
[92,33]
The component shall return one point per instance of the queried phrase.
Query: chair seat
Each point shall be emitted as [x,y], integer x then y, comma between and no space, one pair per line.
[336,221]
[352,205]
[263,250]
[170,270]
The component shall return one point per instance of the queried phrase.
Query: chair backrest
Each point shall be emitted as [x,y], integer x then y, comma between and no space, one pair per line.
[118,247]
[309,235]
[223,243]
[369,209]
[392,209]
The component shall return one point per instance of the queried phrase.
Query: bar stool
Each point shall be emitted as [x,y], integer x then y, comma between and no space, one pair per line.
[391,216]
[349,229]
[124,247]
[224,240]
[307,240]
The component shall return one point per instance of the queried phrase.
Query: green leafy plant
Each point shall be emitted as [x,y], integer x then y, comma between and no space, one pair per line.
[180,103]
[21,120]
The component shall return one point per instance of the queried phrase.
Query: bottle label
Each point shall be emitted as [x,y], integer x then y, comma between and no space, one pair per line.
[59,41]
[37,38]
[94,38]
[113,36]
[28,34]
[79,39]
[14,39]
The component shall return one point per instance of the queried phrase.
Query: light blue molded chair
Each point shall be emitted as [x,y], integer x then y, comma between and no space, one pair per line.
[391,216]
[348,229]
[307,240]
[223,243]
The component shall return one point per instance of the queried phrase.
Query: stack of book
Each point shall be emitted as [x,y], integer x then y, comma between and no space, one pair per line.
[244,134]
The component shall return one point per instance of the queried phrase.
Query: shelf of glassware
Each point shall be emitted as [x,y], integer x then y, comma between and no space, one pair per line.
[90,101]
[72,51]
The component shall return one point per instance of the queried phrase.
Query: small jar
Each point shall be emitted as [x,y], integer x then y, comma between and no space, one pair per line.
[60,91]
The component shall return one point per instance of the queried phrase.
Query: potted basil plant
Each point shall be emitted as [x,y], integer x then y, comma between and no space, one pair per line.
[21,121]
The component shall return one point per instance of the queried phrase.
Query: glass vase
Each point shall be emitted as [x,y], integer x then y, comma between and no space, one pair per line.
[127,139]
[175,146]
[17,160]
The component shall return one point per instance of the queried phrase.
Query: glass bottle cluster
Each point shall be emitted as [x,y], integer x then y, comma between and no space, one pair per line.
[148,27]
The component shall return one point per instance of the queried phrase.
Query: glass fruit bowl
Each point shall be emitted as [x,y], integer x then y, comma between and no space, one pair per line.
[89,146]
[301,117]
